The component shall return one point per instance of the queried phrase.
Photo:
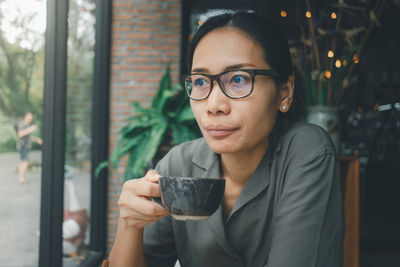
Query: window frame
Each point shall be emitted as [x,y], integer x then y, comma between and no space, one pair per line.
[54,119]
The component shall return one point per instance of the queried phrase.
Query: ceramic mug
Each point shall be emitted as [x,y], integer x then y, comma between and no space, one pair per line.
[189,198]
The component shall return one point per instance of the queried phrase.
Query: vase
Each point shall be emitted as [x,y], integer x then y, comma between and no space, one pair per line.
[328,119]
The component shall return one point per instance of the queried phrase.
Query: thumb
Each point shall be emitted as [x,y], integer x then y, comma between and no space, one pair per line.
[152,176]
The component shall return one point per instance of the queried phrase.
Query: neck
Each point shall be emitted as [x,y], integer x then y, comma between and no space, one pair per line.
[239,167]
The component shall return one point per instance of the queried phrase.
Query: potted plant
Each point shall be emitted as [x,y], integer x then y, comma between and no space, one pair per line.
[150,132]
[326,55]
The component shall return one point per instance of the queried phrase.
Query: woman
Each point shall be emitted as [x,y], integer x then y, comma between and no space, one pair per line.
[282,205]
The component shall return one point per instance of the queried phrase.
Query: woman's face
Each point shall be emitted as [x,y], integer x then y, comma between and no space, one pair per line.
[234,125]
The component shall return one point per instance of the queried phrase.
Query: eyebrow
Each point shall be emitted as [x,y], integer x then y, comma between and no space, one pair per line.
[231,67]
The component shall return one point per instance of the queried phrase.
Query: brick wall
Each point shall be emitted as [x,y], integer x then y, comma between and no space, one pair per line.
[146,35]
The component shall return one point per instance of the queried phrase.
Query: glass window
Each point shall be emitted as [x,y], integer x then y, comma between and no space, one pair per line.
[22,28]
[77,187]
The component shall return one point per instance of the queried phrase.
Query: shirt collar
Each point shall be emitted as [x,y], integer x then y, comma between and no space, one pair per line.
[204,157]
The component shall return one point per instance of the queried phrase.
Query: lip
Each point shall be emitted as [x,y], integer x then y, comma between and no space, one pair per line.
[219,130]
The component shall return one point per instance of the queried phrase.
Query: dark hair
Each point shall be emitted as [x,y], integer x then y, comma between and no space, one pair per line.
[266,33]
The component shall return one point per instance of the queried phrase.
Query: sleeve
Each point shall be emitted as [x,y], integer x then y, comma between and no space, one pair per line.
[308,223]
[158,244]
[158,238]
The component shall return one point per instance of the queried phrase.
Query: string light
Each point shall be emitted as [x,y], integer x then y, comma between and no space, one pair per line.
[333,15]
[283,14]
[338,64]
[327,74]
[308,14]
[356,59]
[345,62]
[330,54]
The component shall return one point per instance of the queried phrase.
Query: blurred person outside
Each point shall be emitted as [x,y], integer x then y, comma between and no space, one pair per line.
[24,144]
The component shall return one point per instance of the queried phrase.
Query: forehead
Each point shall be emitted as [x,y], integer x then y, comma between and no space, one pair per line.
[228,46]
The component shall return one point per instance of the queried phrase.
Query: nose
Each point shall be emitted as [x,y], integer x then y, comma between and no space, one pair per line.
[218,102]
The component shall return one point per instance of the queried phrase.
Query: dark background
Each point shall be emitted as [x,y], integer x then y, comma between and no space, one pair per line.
[367,132]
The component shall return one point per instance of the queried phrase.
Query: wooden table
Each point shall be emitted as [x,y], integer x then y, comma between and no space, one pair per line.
[350,173]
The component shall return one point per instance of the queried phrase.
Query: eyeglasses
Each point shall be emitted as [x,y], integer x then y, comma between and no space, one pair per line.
[234,83]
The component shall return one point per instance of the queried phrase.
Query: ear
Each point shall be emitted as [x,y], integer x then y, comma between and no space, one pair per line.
[286,95]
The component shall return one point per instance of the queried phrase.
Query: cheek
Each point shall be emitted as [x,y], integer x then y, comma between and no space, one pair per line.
[196,109]
[262,112]
[267,101]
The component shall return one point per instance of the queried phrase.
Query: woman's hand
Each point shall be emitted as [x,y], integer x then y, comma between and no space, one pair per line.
[135,202]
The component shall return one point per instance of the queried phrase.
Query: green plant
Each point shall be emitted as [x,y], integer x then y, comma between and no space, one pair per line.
[328,50]
[169,121]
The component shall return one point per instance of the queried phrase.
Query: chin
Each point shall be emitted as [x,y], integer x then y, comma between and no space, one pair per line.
[222,146]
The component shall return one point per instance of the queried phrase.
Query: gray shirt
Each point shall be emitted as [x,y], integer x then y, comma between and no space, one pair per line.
[24,142]
[289,213]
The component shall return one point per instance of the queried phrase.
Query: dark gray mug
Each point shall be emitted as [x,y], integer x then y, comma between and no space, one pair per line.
[188,198]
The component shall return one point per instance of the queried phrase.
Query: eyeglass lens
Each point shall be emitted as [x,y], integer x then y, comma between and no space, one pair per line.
[234,83]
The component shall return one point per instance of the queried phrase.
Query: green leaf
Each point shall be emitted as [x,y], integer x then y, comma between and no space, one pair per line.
[165,92]
[100,167]
[145,150]
[130,140]
[139,110]
[131,171]
[186,114]
[166,96]
[124,146]
[138,123]
[182,133]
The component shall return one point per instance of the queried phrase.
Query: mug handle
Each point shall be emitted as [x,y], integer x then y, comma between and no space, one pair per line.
[158,199]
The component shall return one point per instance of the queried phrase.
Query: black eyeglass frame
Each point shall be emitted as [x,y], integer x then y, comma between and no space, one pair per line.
[216,77]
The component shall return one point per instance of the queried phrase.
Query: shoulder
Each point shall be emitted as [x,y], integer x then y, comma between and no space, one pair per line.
[308,140]
[305,155]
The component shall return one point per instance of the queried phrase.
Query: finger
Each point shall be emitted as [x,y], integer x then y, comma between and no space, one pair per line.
[141,205]
[130,215]
[127,214]
[149,207]
[151,190]
[140,222]
[152,176]
[143,187]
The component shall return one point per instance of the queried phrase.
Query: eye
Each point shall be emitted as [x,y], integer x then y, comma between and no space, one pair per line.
[239,79]
[200,82]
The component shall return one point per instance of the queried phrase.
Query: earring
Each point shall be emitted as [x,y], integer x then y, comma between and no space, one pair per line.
[284,107]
